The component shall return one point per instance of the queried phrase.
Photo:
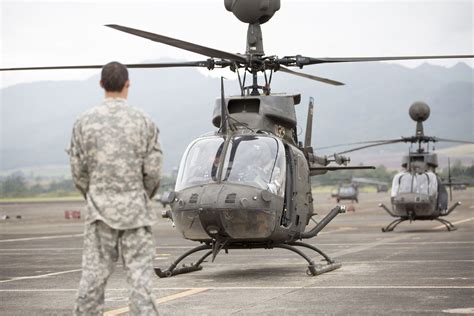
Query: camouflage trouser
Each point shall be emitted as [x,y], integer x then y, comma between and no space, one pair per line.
[102,248]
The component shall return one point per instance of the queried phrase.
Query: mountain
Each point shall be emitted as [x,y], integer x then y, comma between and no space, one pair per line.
[36,118]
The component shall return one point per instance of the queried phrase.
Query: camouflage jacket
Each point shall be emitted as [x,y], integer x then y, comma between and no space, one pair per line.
[115,158]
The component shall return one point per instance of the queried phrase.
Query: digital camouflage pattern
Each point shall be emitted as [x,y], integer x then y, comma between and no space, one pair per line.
[103,245]
[115,158]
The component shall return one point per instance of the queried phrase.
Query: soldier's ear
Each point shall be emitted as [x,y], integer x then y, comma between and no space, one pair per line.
[101,84]
[127,84]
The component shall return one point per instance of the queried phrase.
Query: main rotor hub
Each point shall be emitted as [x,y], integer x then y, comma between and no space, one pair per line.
[419,111]
[253,11]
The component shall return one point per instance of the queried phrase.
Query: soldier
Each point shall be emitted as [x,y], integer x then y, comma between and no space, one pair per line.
[115,160]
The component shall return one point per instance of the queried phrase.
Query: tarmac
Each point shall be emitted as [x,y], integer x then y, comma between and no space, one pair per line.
[418,269]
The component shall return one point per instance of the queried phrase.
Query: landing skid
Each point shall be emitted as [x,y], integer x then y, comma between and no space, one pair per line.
[447,223]
[312,270]
[390,227]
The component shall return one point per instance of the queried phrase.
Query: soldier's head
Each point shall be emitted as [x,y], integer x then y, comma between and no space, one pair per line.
[114,77]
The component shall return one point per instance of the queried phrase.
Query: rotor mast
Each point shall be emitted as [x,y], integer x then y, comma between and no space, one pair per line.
[255,13]
[419,112]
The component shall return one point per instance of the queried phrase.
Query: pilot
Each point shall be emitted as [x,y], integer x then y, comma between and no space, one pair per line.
[257,164]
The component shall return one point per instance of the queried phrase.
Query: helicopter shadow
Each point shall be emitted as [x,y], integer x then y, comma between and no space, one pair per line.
[420,230]
[251,274]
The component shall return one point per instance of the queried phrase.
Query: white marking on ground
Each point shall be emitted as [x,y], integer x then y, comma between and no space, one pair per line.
[39,276]
[40,238]
[316,244]
[469,310]
[454,223]
[39,249]
[410,261]
[237,288]
[369,245]
[340,229]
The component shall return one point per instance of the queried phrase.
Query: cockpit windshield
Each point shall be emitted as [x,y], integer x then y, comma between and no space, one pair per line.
[200,162]
[347,190]
[420,183]
[258,161]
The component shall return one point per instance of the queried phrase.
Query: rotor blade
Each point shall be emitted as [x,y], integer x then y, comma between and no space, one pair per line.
[453,140]
[356,143]
[372,145]
[321,79]
[301,60]
[154,65]
[203,50]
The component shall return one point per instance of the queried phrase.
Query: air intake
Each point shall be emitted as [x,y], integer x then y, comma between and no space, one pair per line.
[230,198]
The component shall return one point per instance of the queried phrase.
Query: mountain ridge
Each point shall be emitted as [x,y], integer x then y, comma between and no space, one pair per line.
[37,117]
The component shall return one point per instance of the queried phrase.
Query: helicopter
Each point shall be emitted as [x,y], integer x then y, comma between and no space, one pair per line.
[417,193]
[247,185]
[348,189]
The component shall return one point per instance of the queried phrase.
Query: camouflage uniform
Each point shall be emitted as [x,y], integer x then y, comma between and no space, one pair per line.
[115,160]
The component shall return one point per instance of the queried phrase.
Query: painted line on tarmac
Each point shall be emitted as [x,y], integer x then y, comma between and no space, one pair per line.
[162,300]
[340,229]
[469,310]
[348,244]
[39,276]
[39,238]
[369,245]
[316,244]
[189,291]
[454,223]
[409,261]
[385,241]
[38,249]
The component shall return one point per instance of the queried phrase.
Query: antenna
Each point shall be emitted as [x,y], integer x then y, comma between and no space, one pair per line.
[309,124]
[224,114]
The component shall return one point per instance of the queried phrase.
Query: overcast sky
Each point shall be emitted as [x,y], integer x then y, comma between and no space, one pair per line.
[44,33]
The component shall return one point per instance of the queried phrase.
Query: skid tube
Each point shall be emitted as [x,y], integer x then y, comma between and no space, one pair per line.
[390,227]
[312,270]
[446,223]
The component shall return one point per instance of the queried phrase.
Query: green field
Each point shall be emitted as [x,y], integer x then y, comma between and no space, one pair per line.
[41,199]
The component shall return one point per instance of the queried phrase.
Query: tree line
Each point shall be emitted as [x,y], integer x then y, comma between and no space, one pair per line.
[16,185]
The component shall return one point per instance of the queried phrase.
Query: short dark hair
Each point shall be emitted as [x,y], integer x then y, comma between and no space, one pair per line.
[114,76]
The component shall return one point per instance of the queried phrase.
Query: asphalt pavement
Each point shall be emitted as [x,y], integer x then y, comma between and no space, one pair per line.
[420,268]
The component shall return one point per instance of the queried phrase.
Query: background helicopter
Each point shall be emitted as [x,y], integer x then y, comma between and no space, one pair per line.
[230,209]
[348,189]
[418,193]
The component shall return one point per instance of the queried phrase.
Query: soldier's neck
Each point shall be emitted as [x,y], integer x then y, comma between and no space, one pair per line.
[114,94]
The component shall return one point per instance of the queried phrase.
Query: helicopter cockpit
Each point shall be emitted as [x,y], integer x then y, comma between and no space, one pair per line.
[415,193]
[258,161]
[425,183]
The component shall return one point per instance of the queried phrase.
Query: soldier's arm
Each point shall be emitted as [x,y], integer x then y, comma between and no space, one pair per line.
[152,162]
[79,170]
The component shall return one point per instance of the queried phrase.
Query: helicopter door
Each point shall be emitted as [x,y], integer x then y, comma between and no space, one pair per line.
[289,188]
[442,196]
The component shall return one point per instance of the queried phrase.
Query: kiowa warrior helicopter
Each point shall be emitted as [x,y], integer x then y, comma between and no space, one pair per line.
[418,193]
[348,189]
[248,184]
